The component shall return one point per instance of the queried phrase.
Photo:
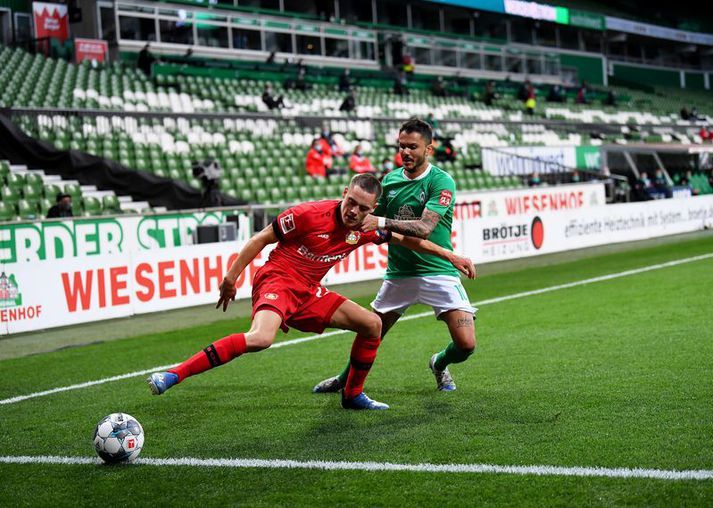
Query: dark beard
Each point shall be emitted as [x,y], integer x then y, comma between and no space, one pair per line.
[417,164]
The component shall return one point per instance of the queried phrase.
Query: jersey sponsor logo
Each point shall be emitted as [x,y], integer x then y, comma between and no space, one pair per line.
[353,237]
[445,198]
[305,252]
[270,296]
[287,223]
[323,235]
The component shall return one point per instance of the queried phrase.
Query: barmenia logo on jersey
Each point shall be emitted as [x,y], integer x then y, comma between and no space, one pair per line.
[271,296]
[513,238]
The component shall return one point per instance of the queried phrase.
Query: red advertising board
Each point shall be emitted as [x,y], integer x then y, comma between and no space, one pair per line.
[51,20]
[90,49]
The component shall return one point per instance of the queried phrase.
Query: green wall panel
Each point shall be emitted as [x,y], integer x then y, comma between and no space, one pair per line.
[589,68]
[648,76]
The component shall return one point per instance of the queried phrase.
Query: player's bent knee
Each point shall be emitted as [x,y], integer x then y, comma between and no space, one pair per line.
[259,340]
[371,327]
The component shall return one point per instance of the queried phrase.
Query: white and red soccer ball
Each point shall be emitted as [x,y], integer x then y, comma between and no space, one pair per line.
[118,437]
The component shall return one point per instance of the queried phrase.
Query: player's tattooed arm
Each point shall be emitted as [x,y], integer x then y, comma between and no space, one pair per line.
[463,264]
[421,228]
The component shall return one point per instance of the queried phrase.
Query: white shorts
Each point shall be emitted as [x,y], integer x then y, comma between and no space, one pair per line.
[441,292]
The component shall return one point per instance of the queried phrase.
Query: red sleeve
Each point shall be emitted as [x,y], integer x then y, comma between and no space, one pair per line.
[377,237]
[292,223]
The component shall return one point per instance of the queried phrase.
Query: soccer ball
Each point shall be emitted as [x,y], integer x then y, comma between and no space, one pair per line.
[118,438]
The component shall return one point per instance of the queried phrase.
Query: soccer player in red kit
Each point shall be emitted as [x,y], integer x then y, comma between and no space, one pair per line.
[311,238]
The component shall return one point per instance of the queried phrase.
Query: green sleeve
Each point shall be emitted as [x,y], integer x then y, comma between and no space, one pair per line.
[441,194]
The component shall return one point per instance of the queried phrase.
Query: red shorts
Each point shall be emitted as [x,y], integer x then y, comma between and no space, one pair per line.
[308,308]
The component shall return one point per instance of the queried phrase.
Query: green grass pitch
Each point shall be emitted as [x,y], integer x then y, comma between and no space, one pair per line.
[616,373]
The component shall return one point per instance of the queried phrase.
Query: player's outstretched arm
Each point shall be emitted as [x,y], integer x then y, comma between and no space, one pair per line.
[463,264]
[245,256]
[420,228]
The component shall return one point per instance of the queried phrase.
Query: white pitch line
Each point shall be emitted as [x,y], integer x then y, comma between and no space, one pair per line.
[596,472]
[419,315]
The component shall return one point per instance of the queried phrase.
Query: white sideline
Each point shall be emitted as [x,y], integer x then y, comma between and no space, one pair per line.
[490,301]
[597,472]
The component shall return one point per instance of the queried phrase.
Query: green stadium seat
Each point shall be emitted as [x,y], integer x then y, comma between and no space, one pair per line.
[44,206]
[91,205]
[15,181]
[276,195]
[261,195]
[111,203]
[27,210]
[10,195]
[7,211]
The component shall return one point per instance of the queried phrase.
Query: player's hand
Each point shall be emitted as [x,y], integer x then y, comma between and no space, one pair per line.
[227,293]
[464,265]
[371,223]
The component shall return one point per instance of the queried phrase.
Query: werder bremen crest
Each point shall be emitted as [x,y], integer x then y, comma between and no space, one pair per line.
[405,213]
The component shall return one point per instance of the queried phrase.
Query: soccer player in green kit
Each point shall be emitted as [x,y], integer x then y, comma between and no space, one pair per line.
[418,200]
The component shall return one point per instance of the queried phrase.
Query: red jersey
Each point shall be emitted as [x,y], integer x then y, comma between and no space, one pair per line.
[360,164]
[315,163]
[313,238]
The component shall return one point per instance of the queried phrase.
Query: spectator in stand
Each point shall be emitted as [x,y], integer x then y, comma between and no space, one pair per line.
[575,177]
[438,88]
[685,114]
[610,99]
[329,146]
[270,101]
[401,84]
[710,178]
[555,94]
[271,57]
[300,65]
[359,163]
[582,95]
[387,166]
[686,181]
[524,91]
[534,180]
[315,163]
[694,114]
[661,184]
[345,83]
[643,187]
[145,60]
[530,102]
[62,207]
[489,94]
[349,103]
[300,81]
[407,64]
[705,134]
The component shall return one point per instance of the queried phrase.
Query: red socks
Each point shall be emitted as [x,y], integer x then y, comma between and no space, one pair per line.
[363,356]
[218,353]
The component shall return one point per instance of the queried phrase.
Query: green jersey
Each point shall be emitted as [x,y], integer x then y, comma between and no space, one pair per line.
[405,199]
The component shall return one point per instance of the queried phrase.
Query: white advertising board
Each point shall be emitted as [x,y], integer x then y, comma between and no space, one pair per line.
[57,292]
